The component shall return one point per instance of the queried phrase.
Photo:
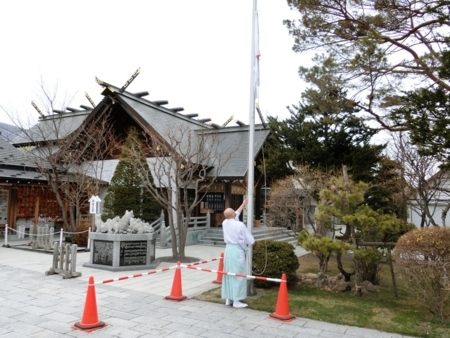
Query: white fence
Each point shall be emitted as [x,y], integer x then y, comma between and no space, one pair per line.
[163,232]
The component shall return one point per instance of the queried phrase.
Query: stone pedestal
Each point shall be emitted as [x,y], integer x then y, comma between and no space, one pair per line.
[122,252]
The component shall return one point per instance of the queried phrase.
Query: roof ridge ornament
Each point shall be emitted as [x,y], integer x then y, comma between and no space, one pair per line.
[88,97]
[132,77]
[160,102]
[260,115]
[142,94]
[239,123]
[100,82]
[73,110]
[37,109]
[228,121]
[214,125]
[104,84]
[177,109]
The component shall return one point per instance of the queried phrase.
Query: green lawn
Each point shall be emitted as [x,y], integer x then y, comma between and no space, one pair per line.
[381,310]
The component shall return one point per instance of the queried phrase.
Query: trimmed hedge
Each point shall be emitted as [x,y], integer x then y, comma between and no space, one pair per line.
[273,258]
[422,257]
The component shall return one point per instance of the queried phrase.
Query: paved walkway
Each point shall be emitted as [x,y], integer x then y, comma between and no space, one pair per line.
[36,305]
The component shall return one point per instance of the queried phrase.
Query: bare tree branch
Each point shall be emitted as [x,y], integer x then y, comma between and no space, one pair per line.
[184,164]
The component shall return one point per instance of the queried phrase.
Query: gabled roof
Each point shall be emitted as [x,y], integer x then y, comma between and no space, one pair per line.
[235,141]
[154,117]
[52,127]
[160,118]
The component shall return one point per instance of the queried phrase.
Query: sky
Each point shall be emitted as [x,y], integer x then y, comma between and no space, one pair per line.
[196,54]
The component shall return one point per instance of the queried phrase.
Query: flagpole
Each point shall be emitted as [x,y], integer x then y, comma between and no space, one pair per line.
[251,156]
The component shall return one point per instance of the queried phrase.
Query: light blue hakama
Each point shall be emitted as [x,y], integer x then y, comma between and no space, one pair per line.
[234,288]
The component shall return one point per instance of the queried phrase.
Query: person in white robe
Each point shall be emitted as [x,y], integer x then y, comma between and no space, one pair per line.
[237,238]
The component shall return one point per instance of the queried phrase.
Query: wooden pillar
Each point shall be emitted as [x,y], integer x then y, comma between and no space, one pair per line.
[12,206]
[36,211]
[227,193]
[66,208]
[391,267]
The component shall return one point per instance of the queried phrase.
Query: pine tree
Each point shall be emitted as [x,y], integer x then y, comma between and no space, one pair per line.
[325,130]
[125,191]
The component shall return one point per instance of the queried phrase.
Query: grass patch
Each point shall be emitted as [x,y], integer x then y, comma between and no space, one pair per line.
[381,311]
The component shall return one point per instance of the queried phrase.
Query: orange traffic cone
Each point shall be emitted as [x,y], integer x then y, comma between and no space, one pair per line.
[176,293]
[90,321]
[219,275]
[282,310]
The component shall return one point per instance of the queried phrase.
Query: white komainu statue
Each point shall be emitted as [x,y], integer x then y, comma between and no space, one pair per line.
[127,223]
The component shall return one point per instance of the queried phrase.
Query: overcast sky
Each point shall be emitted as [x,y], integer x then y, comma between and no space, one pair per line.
[193,53]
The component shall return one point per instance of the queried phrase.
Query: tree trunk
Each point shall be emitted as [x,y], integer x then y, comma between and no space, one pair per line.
[173,233]
[323,263]
[182,234]
[347,275]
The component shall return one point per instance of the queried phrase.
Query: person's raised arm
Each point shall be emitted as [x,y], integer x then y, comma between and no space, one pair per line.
[239,210]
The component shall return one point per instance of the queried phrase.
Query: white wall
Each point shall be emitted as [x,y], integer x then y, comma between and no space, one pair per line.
[435,209]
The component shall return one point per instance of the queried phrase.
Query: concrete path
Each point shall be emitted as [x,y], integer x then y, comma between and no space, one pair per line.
[36,305]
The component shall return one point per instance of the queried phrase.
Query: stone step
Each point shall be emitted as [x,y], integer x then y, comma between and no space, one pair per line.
[214,236]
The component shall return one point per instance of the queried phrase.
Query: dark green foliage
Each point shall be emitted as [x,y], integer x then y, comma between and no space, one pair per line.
[387,189]
[426,113]
[344,203]
[277,163]
[324,130]
[322,247]
[368,264]
[125,191]
[273,258]
[363,37]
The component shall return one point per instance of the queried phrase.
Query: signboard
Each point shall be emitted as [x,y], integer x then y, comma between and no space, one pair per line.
[133,253]
[103,252]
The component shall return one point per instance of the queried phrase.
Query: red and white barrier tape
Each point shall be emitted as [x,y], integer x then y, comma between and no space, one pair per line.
[234,274]
[151,272]
[206,261]
[192,267]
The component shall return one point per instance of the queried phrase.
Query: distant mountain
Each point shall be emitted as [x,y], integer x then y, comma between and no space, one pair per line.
[8,131]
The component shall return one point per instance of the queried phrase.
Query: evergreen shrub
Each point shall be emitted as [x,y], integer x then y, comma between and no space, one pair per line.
[125,190]
[273,258]
[368,264]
